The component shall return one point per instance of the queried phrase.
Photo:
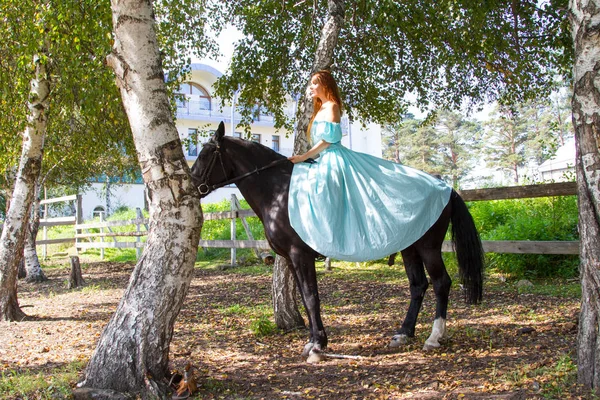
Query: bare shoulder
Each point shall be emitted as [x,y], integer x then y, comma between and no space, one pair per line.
[336,112]
[331,111]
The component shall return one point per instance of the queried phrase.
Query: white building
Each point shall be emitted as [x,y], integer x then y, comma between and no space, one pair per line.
[561,167]
[201,112]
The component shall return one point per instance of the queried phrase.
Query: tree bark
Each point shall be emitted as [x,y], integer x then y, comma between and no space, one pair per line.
[32,262]
[585,24]
[132,353]
[285,306]
[17,217]
[323,60]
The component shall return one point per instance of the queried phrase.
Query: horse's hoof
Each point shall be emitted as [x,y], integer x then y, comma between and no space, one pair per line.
[430,346]
[315,357]
[398,340]
[307,349]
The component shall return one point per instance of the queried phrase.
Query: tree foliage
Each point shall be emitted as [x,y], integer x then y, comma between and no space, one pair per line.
[442,53]
[446,145]
[88,132]
[527,133]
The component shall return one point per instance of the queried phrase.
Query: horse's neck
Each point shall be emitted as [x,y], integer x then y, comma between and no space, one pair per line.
[266,188]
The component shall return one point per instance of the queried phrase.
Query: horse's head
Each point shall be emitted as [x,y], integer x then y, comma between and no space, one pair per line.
[211,167]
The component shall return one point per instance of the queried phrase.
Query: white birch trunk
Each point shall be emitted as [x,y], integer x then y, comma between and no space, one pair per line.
[132,353]
[585,23]
[284,304]
[17,218]
[32,262]
[285,307]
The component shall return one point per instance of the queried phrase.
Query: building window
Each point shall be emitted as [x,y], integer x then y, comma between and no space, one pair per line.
[196,95]
[275,143]
[255,137]
[237,135]
[193,142]
[98,212]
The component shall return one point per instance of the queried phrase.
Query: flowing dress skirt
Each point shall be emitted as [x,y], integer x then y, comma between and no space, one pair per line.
[356,207]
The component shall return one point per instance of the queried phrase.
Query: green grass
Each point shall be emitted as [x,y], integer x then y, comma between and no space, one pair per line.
[255,269]
[553,380]
[372,271]
[54,383]
[260,318]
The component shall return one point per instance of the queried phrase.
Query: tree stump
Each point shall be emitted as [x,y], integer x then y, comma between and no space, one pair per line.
[327,264]
[267,258]
[75,279]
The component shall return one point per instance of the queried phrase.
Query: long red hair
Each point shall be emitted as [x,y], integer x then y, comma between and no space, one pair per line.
[332,93]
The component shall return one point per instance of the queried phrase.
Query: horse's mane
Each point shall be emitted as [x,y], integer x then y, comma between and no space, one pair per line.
[256,149]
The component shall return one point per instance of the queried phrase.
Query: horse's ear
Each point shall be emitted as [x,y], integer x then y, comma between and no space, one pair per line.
[220,132]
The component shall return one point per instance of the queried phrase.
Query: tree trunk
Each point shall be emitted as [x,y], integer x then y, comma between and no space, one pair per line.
[585,23]
[285,306]
[17,218]
[132,353]
[32,262]
[323,60]
[22,272]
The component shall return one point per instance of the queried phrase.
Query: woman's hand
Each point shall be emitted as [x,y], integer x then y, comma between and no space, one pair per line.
[297,158]
[312,153]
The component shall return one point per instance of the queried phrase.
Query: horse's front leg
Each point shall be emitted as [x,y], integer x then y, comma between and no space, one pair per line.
[303,265]
[418,285]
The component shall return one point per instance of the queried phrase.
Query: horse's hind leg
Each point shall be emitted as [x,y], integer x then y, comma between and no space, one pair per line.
[418,285]
[441,286]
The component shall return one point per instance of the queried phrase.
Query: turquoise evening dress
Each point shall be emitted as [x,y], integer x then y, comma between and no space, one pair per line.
[355,207]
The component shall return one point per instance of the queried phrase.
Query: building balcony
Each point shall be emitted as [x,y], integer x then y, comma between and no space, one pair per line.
[211,111]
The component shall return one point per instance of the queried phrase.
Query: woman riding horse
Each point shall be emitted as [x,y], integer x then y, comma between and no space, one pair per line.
[348,206]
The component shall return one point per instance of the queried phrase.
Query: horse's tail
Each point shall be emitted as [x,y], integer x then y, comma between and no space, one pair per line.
[468,248]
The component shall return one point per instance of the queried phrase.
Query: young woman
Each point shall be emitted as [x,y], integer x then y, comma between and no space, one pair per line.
[353,206]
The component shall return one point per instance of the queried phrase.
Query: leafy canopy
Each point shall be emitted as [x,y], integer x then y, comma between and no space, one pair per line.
[441,53]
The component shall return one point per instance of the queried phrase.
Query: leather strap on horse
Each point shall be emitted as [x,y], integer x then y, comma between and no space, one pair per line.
[210,188]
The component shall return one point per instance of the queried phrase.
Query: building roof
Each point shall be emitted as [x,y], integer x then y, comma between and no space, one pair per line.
[563,159]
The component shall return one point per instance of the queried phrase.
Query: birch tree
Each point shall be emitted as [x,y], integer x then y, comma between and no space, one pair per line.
[132,353]
[17,217]
[33,109]
[585,25]
[285,308]
[73,130]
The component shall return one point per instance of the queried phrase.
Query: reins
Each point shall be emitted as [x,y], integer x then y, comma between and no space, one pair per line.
[204,188]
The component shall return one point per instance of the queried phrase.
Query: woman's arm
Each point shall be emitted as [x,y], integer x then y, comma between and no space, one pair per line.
[319,147]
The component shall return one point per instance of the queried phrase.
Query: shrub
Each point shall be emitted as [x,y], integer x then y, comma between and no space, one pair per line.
[544,219]
[263,326]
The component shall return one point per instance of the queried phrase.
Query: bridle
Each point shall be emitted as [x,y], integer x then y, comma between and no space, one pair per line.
[205,188]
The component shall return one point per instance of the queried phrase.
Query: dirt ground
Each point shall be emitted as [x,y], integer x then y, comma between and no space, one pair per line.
[513,346]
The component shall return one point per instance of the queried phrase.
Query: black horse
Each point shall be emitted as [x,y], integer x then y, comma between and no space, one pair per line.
[263,178]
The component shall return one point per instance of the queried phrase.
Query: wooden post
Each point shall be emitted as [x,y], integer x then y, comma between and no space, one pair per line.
[233,231]
[101,236]
[265,255]
[327,264]
[138,216]
[45,228]
[78,219]
[75,279]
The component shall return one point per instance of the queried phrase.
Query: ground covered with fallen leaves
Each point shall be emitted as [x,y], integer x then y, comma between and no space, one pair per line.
[517,344]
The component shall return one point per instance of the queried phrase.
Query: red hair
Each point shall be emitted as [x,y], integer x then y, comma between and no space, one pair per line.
[332,93]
